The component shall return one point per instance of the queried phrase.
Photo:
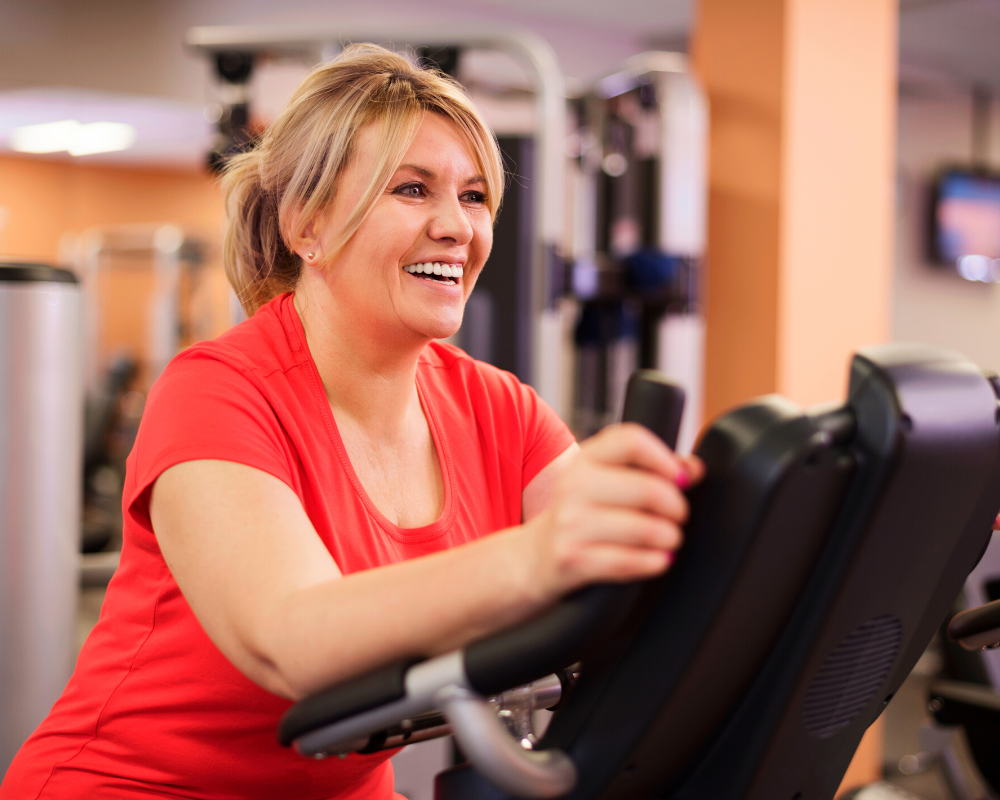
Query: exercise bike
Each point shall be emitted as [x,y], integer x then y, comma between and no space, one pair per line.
[824,549]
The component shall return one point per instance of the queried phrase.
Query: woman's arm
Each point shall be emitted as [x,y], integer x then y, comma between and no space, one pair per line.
[270,596]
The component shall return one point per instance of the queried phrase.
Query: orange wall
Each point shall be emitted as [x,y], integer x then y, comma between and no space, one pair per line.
[45,199]
[47,204]
[738,53]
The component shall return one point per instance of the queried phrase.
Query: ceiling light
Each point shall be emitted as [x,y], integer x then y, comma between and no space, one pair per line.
[73,137]
[102,137]
[50,137]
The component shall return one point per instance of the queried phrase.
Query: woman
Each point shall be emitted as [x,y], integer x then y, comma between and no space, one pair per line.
[309,495]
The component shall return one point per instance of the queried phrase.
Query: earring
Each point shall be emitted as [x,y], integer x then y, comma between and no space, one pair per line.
[312,255]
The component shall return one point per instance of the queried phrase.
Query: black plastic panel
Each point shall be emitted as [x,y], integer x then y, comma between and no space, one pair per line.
[16,272]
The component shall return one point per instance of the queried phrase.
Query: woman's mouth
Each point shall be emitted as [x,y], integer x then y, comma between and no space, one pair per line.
[436,271]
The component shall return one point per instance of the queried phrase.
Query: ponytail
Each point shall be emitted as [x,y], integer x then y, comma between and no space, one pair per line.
[259,264]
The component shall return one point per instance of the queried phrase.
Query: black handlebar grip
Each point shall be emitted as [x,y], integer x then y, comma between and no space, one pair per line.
[567,631]
[976,628]
[655,401]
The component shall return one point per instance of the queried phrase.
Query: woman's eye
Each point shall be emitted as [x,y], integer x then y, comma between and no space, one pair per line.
[477,198]
[410,190]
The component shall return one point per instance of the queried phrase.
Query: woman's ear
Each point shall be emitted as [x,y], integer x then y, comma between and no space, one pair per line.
[306,244]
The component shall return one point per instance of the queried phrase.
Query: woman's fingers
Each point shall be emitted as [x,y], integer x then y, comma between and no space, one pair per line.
[632,444]
[694,467]
[603,485]
[617,511]
[607,563]
[622,528]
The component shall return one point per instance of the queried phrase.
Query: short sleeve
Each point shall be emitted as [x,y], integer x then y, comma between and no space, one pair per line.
[203,407]
[546,436]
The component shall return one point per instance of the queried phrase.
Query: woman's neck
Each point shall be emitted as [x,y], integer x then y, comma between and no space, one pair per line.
[358,365]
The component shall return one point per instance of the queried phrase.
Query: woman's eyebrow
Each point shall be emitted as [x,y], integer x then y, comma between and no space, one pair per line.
[429,174]
[421,170]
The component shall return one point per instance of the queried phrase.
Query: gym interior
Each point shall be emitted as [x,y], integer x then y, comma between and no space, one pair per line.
[753,197]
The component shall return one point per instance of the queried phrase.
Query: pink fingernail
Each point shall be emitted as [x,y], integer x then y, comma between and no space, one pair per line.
[671,557]
[683,480]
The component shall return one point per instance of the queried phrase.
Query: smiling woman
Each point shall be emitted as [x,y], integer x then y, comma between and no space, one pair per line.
[325,488]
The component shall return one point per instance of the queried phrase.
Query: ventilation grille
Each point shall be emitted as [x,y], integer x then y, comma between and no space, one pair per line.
[850,676]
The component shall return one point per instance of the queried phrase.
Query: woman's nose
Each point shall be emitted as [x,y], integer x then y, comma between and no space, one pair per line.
[451,222]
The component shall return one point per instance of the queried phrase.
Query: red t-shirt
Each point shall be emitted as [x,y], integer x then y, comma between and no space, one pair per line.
[153,708]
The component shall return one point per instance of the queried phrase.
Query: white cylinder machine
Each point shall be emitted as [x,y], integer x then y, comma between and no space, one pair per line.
[41,429]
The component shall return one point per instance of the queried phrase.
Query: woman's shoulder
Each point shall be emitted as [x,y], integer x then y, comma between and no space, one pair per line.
[261,345]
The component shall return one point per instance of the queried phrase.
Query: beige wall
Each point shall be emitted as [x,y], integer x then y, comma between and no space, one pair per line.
[932,304]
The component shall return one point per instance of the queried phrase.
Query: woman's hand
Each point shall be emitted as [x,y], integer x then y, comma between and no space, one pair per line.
[615,513]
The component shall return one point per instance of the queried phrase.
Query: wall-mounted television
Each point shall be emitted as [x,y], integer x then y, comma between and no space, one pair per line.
[965,225]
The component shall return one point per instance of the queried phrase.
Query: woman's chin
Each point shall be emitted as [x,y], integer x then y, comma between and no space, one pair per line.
[441,329]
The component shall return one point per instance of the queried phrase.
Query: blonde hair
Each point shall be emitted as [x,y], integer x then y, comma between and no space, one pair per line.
[300,157]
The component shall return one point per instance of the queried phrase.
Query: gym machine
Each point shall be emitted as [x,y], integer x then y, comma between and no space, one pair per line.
[639,177]
[824,549]
[965,695]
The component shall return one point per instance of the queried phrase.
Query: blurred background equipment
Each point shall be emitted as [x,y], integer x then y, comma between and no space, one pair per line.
[147,297]
[41,409]
[234,68]
[638,146]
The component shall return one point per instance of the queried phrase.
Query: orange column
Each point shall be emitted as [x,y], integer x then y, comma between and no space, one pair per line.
[802,97]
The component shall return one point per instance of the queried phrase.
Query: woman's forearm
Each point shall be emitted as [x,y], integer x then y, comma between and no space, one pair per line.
[416,608]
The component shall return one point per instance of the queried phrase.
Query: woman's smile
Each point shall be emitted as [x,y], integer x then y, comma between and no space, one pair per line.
[436,272]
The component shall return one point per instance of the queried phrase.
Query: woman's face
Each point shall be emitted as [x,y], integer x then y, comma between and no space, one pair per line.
[432,214]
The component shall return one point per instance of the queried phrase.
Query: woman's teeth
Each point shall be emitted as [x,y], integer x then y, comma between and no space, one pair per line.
[436,271]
